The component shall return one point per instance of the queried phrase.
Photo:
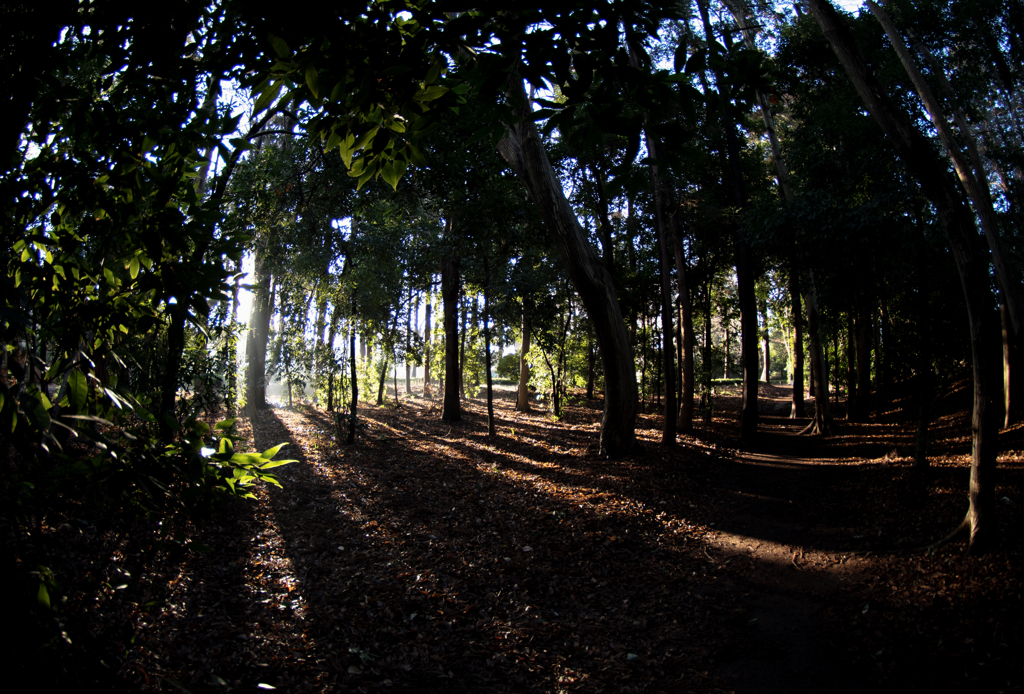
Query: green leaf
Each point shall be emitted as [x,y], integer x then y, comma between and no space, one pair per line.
[78,391]
[271,452]
[365,139]
[279,46]
[267,97]
[277,463]
[313,81]
[133,267]
[430,93]
[391,175]
[226,424]
[346,149]
[44,596]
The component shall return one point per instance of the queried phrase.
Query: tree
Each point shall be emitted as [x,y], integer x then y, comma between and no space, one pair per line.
[917,154]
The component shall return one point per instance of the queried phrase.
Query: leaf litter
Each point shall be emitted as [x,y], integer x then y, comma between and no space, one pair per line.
[429,557]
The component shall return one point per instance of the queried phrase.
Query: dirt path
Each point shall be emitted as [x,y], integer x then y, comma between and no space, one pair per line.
[785,570]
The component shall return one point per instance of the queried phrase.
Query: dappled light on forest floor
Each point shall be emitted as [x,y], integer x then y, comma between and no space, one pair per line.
[431,557]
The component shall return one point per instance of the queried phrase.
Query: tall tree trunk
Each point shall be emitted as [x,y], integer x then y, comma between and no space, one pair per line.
[863,329]
[685,421]
[259,336]
[766,347]
[523,394]
[590,367]
[426,343]
[852,393]
[744,259]
[408,344]
[524,150]
[1013,371]
[662,214]
[487,347]
[462,351]
[354,405]
[451,409]
[972,263]
[169,385]
[797,409]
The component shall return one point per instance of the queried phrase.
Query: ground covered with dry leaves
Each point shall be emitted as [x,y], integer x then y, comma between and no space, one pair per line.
[429,557]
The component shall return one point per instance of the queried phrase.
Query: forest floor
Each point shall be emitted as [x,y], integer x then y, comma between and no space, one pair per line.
[429,557]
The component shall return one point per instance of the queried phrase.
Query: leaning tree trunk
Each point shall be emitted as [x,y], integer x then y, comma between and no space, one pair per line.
[524,150]
[798,346]
[972,262]
[451,408]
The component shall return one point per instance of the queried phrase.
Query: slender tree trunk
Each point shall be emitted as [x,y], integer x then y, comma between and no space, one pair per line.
[523,394]
[937,185]
[354,405]
[169,386]
[426,344]
[451,410]
[590,368]
[863,362]
[462,351]
[1012,371]
[523,149]
[766,347]
[662,214]
[852,392]
[685,422]
[744,259]
[408,345]
[487,348]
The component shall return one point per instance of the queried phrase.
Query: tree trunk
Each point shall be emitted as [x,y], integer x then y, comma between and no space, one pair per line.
[408,345]
[662,214]
[822,423]
[487,348]
[524,150]
[354,405]
[685,422]
[426,344]
[259,336]
[766,347]
[169,385]
[852,393]
[451,408]
[972,263]
[863,338]
[462,351]
[1013,370]
[590,368]
[744,261]
[797,409]
[523,394]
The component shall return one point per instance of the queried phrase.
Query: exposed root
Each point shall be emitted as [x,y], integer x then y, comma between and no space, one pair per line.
[965,525]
